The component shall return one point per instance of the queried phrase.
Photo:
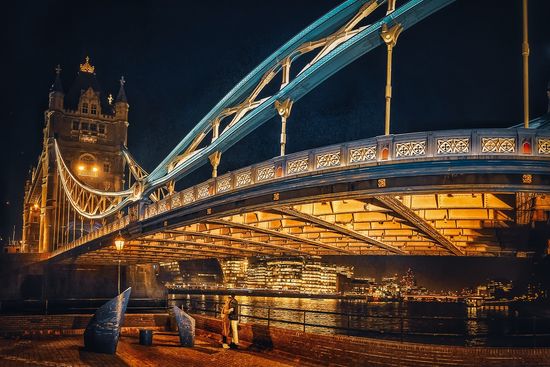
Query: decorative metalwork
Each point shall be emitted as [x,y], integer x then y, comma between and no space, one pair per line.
[224,184]
[527,179]
[276,196]
[453,145]
[86,67]
[381,182]
[410,148]
[176,200]
[163,206]
[297,165]
[498,145]
[544,146]
[152,210]
[362,154]
[243,178]
[327,160]
[203,191]
[265,173]
[188,196]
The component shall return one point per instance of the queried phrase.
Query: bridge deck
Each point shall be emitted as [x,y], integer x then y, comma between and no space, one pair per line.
[458,192]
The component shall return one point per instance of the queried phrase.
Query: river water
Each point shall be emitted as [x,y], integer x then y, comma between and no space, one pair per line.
[434,322]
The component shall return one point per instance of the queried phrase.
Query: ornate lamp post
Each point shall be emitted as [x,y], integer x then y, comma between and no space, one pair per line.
[119,245]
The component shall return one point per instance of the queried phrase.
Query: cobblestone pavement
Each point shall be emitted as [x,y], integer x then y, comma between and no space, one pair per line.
[67,351]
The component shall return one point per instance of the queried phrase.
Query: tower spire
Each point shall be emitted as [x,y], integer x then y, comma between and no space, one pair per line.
[57,86]
[121,96]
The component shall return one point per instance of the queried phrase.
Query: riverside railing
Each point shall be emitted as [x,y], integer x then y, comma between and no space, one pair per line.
[488,330]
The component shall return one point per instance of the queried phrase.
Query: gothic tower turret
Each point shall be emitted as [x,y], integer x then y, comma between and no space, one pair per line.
[89,131]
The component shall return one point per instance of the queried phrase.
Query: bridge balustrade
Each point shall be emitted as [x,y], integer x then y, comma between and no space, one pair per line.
[438,145]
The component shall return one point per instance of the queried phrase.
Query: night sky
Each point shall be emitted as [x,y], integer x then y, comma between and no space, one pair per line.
[461,67]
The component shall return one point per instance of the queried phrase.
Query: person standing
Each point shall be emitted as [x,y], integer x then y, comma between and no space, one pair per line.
[234,320]
[225,323]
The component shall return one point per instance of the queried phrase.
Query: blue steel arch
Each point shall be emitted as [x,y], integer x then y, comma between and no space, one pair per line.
[366,40]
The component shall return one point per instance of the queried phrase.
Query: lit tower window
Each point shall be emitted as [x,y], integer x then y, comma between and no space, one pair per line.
[87,166]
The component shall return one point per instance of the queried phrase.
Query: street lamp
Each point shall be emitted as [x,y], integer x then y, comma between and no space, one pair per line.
[119,245]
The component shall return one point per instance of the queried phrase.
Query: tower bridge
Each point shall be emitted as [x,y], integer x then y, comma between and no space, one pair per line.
[461,192]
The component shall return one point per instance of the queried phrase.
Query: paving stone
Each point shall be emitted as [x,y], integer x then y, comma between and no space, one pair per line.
[67,351]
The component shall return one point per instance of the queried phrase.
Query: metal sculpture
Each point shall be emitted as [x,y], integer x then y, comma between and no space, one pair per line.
[186,327]
[103,331]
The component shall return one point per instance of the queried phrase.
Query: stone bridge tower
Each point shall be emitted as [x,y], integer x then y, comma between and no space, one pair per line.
[90,127]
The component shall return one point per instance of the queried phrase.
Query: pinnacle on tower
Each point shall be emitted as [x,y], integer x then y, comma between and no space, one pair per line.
[121,96]
[57,86]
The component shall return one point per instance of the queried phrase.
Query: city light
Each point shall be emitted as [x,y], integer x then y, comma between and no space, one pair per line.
[81,167]
[119,242]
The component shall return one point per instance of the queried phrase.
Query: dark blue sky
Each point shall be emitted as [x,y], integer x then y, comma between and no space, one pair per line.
[459,68]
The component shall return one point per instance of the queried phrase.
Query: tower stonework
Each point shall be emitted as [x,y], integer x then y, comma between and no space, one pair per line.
[90,128]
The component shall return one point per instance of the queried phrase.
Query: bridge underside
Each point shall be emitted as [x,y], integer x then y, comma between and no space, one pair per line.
[448,222]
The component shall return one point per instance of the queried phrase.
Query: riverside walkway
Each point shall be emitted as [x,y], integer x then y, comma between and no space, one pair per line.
[65,351]
[56,340]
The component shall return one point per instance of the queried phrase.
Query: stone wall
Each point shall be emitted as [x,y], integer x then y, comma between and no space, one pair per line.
[31,325]
[339,350]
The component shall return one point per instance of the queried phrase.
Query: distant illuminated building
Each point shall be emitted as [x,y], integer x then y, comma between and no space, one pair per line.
[234,272]
[347,271]
[318,277]
[285,273]
[170,273]
[256,276]
[204,273]
[295,274]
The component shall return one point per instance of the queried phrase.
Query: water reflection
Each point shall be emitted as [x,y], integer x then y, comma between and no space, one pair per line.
[449,323]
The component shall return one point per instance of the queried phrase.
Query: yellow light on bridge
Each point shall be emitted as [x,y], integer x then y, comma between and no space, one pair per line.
[119,242]
[81,167]
[35,206]
[94,168]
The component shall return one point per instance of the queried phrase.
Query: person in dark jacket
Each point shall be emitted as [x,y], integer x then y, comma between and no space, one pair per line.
[234,320]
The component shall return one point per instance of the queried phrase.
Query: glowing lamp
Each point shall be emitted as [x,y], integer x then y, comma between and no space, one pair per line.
[81,168]
[94,168]
[35,206]
[119,242]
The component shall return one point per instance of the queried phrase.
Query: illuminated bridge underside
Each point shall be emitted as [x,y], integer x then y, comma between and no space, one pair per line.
[469,221]
[323,202]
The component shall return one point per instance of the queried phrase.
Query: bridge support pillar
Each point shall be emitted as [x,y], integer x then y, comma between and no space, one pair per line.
[389,36]
[283,108]
[215,162]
